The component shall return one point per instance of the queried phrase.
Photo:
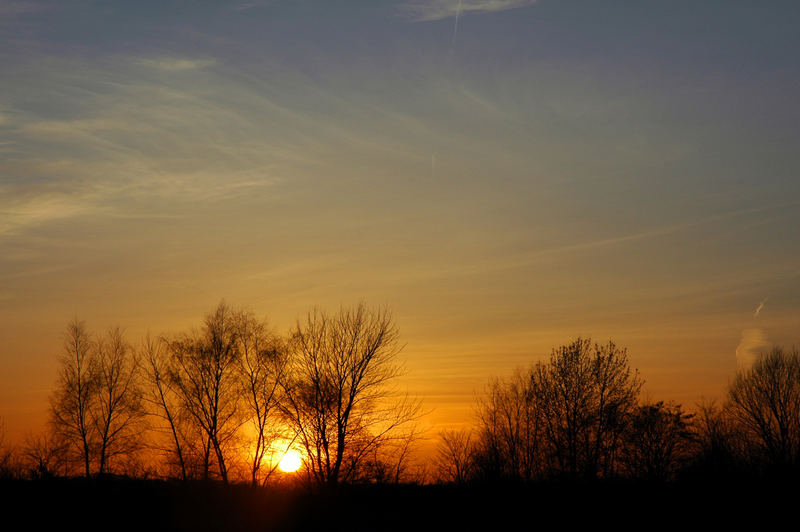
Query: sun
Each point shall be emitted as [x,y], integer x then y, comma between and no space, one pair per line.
[290,462]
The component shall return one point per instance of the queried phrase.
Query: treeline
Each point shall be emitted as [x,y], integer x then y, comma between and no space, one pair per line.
[228,400]
[579,416]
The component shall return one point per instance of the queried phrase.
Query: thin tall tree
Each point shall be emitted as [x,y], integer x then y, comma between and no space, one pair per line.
[71,402]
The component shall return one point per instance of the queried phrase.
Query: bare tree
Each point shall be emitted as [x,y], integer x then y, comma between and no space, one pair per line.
[659,440]
[45,455]
[339,399]
[455,456]
[391,462]
[164,403]
[721,445]
[585,395]
[400,455]
[205,376]
[263,364]
[71,403]
[116,410]
[765,401]
[9,467]
[510,442]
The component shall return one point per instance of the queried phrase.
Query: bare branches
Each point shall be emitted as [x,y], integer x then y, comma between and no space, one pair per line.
[95,407]
[233,394]
[585,394]
[163,402]
[510,442]
[765,401]
[70,404]
[263,364]
[204,375]
[658,441]
[117,410]
[455,456]
[45,456]
[565,417]
[339,399]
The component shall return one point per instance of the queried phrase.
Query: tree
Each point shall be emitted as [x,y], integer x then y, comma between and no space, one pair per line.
[263,364]
[339,399]
[721,446]
[116,409]
[164,403]
[45,456]
[510,443]
[391,461]
[71,403]
[658,441]
[8,461]
[765,401]
[455,456]
[205,376]
[95,407]
[585,396]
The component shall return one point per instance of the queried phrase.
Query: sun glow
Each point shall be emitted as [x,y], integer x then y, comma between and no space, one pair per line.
[290,462]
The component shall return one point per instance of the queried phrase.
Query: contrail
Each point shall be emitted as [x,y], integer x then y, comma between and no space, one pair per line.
[455,27]
[760,308]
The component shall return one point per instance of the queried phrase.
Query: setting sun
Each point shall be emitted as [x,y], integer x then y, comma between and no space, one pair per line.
[290,462]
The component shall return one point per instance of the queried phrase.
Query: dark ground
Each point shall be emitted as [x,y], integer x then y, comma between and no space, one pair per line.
[129,504]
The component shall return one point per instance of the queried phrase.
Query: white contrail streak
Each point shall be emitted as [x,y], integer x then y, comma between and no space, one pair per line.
[760,308]
[455,26]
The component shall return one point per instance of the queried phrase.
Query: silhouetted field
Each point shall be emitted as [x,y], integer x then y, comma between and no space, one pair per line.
[134,504]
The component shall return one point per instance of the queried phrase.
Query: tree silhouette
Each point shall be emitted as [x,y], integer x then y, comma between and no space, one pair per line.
[204,374]
[339,399]
[509,422]
[720,443]
[263,365]
[8,459]
[95,407]
[455,456]
[163,401]
[765,401]
[45,456]
[116,409]
[71,402]
[585,395]
[659,440]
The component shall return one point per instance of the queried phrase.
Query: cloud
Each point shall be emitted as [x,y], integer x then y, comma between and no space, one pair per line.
[175,64]
[752,343]
[68,128]
[41,209]
[427,10]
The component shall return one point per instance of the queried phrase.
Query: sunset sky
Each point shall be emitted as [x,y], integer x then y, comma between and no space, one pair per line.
[505,175]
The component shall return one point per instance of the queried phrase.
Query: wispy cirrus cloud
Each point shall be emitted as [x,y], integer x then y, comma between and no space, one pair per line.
[175,64]
[428,10]
[21,213]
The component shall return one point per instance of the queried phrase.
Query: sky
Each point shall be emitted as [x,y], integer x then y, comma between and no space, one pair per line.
[504,175]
